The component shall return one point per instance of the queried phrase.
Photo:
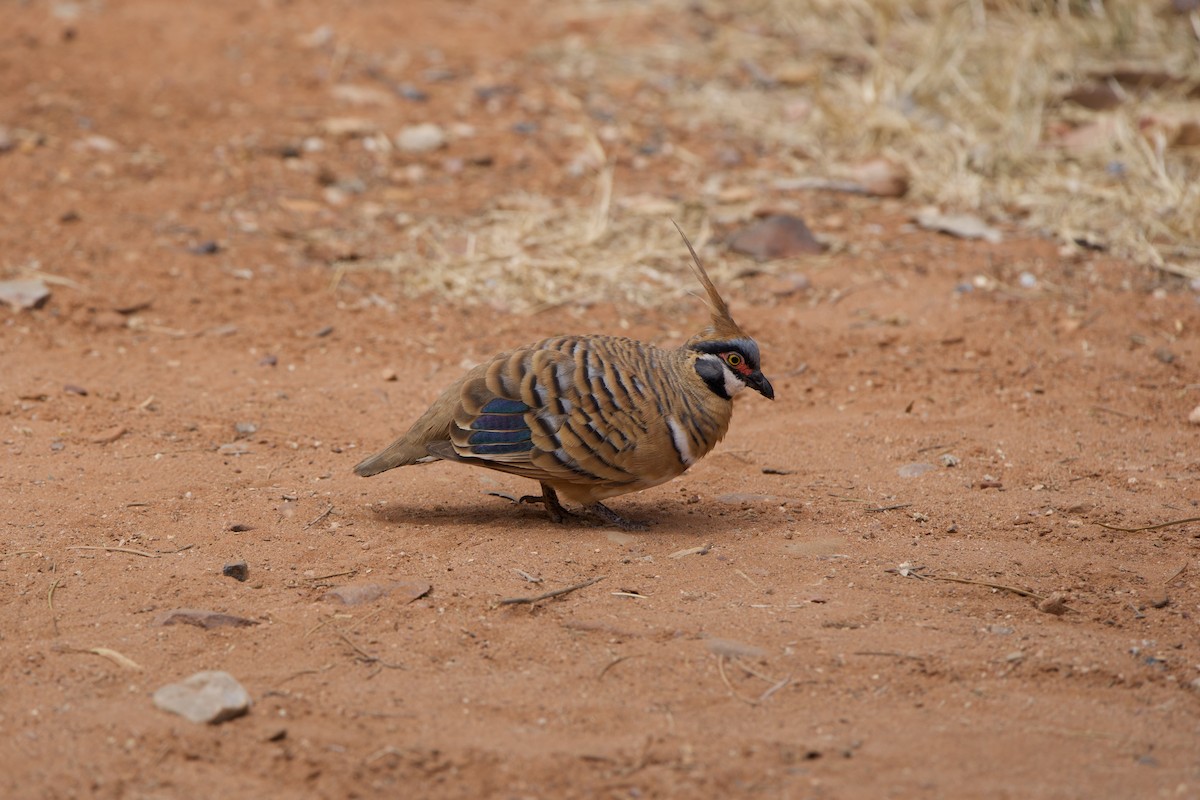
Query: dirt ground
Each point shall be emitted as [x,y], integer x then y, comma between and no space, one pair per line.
[202,380]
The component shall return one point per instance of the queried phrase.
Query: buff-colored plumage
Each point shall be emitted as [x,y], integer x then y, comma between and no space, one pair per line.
[589,417]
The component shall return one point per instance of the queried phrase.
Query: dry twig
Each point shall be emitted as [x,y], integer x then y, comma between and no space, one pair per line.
[702,550]
[366,657]
[612,664]
[512,601]
[319,517]
[104,652]
[131,550]
[732,691]
[1148,527]
[50,602]
[914,572]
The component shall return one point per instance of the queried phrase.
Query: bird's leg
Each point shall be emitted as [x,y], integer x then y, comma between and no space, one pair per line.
[548,498]
[613,518]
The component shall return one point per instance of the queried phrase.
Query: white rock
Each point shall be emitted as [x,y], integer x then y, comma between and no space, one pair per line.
[23,293]
[210,696]
[1194,417]
[421,138]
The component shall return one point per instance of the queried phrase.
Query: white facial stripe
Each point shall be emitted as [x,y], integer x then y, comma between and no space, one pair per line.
[733,384]
[680,439]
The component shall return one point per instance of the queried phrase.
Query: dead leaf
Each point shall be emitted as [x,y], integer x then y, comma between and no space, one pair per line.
[203,619]
[358,594]
[111,435]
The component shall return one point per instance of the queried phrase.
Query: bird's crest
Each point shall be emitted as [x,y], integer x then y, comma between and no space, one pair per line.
[723,327]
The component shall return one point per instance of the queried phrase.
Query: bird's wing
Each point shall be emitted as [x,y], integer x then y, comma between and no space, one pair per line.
[560,411]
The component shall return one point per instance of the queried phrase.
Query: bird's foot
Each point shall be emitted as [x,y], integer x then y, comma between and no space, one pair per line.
[613,518]
[549,498]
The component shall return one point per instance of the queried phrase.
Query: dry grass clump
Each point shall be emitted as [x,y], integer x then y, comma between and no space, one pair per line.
[973,98]
[530,253]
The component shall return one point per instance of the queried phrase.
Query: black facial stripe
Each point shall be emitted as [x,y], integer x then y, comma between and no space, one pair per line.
[713,375]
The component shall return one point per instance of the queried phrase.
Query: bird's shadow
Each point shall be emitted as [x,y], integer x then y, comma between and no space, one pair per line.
[499,510]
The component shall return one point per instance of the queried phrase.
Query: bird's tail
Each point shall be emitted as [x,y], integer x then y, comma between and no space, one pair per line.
[398,454]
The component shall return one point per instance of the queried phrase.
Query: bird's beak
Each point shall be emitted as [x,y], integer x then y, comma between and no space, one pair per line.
[759,383]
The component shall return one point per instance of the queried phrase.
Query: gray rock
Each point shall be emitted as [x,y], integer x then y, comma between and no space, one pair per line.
[238,570]
[914,470]
[779,236]
[207,697]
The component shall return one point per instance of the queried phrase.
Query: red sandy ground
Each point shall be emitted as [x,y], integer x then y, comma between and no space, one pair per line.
[794,659]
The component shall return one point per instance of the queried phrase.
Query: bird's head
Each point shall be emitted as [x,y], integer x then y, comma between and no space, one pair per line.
[728,359]
[727,366]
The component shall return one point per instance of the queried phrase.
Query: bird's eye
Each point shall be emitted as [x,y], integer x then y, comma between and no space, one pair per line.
[733,359]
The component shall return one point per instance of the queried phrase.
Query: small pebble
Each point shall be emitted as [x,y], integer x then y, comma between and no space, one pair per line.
[238,570]
[388,374]
[1194,417]
[881,177]
[949,460]
[412,93]
[421,138]
[914,470]
[1054,604]
[208,248]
